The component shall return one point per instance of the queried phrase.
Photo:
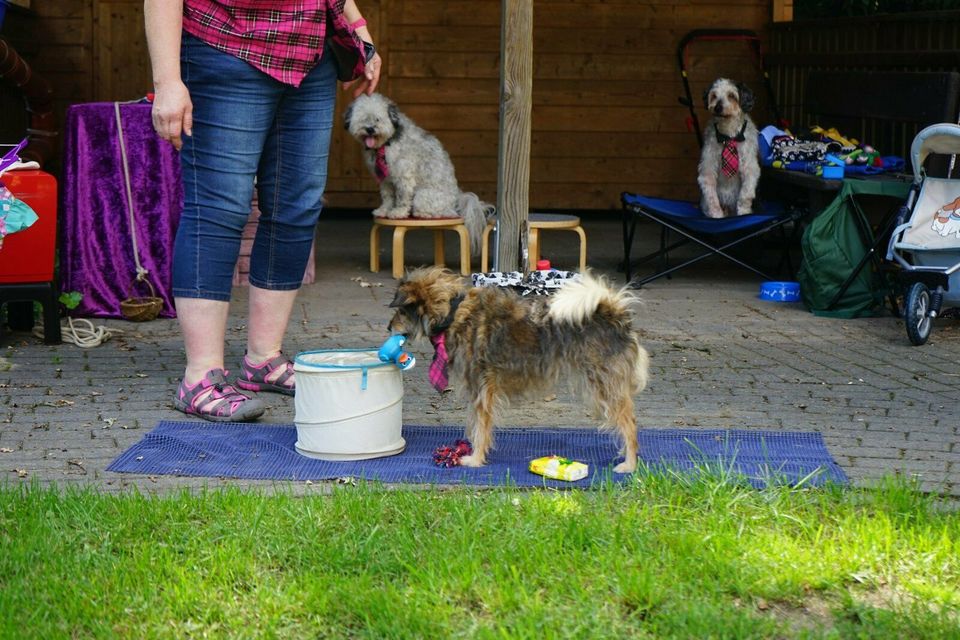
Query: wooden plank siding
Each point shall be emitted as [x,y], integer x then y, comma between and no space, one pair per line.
[56,40]
[605,88]
[605,85]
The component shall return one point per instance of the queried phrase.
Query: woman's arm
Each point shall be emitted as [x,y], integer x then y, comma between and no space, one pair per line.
[172,109]
[352,14]
[371,73]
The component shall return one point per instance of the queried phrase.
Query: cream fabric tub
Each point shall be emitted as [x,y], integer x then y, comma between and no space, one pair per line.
[348,406]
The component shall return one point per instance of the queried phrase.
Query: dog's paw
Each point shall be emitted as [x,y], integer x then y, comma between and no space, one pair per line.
[472,461]
[713,213]
[627,466]
[397,213]
[381,212]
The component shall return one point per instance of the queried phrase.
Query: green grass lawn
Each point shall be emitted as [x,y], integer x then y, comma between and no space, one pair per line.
[670,557]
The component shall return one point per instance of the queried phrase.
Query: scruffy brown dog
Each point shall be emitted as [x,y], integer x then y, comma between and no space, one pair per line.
[500,346]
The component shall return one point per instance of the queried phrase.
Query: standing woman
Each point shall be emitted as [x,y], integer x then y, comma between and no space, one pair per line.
[246,89]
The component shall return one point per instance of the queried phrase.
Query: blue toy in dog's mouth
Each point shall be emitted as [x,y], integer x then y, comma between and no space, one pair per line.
[392,351]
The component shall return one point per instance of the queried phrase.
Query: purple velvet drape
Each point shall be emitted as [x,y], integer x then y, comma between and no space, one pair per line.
[96,251]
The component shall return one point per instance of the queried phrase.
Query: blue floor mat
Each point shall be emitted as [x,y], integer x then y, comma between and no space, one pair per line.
[266,452]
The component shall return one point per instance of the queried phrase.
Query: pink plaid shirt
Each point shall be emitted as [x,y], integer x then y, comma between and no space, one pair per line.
[282,38]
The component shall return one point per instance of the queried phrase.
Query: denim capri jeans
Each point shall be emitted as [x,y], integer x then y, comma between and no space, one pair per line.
[247,125]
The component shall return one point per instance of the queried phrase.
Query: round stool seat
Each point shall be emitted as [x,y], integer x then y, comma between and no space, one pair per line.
[418,222]
[545,221]
[400,228]
[554,221]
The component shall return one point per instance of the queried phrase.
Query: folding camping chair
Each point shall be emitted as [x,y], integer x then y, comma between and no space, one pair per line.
[716,236]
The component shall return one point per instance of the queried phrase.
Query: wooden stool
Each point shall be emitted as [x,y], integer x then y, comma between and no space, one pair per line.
[540,221]
[400,228]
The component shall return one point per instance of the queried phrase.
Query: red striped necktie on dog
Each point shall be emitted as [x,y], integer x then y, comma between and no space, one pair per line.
[729,154]
[438,368]
[729,159]
[380,166]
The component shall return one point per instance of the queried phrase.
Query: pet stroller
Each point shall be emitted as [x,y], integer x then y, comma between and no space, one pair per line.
[926,241]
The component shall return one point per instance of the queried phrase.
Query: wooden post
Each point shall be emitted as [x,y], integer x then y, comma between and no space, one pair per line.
[513,161]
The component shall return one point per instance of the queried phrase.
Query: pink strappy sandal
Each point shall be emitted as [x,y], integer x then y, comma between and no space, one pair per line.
[255,377]
[213,398]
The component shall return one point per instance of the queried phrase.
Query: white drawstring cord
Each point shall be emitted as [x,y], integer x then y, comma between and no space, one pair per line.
[83,334]
[141,271]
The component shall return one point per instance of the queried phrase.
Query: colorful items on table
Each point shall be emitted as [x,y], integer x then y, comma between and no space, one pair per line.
[832,135]
[864,155]
[833,167]
[810,152]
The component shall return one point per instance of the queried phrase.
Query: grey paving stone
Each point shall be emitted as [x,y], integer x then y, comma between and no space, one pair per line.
[721,358]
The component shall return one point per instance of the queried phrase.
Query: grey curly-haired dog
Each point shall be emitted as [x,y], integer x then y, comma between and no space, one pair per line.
[730,159]
[415,173]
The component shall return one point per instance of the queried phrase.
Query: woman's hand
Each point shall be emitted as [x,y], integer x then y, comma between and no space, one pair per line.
[370,79]
[172,112]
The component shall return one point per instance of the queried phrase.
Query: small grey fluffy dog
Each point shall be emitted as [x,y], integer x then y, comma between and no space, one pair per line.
[415,173]
[730,159]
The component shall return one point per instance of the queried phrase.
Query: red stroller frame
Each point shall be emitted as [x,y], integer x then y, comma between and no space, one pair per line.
[742,35]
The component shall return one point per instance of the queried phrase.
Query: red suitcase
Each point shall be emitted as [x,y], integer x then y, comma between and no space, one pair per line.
[27,257]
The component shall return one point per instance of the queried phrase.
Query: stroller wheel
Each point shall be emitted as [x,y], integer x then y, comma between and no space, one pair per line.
[916,315]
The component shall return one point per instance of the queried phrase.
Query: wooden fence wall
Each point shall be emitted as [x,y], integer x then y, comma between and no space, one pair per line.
[606,82]
[903,42]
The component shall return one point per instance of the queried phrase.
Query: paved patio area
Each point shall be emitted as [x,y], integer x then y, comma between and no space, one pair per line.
[721,358]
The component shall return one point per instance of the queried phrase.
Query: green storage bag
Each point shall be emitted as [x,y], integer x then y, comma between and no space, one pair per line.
[832,248]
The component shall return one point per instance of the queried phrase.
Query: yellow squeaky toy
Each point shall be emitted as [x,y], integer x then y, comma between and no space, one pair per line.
[559,468]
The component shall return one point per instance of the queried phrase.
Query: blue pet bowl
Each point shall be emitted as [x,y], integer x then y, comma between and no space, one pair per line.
[780,291]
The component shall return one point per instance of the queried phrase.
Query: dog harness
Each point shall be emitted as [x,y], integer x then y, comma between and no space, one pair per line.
[437,373]
[729,155]
[380,167]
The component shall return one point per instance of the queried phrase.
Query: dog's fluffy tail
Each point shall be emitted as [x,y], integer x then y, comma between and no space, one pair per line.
[577,301]
[475,214]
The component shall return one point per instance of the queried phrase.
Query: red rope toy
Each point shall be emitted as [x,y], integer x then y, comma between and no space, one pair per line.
[446,456]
